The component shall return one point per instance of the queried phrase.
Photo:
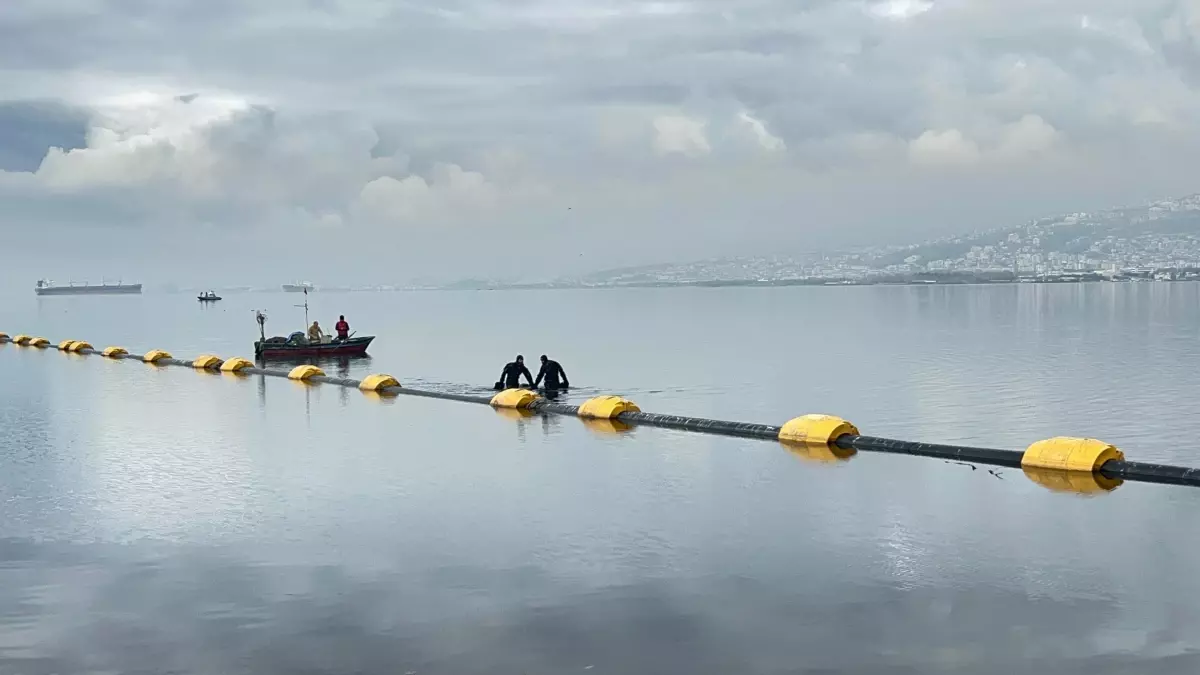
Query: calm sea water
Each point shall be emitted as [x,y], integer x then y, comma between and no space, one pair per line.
[167,521]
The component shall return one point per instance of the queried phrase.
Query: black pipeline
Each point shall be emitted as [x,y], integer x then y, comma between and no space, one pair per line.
[1062,463]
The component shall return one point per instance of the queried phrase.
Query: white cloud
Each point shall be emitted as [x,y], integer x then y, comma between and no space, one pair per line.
[758,133]
[946,147]
[1030,136]
[900,10]
[142,138]
[449,194]
[682,135]
[182,152]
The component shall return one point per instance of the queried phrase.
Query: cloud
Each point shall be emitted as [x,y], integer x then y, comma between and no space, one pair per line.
[757,131]
[1030,136]
[679,134]
[451,192]
[30,127]
[376,119]
[900,9]
[1027,138]
[943,147]
[140,139]
[202,151]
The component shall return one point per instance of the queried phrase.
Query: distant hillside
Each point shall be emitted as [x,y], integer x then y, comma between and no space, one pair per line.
[1160,234]
[1075,233]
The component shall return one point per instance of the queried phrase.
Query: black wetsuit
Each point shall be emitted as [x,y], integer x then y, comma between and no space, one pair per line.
[555,376]
[511,375]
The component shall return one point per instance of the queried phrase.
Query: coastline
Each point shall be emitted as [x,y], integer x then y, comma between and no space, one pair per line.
[954,279]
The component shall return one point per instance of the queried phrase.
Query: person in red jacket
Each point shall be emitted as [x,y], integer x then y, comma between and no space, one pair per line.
[342,328]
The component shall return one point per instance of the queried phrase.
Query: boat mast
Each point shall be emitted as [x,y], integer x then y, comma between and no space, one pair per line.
[305,306]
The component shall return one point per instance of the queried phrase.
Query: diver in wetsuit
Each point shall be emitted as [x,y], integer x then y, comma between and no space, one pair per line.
[510,377]
[555,376]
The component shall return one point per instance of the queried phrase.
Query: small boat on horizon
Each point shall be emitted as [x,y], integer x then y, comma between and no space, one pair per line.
[298,287]
[208,296]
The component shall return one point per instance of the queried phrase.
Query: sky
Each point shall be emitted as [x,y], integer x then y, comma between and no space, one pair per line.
[372,141]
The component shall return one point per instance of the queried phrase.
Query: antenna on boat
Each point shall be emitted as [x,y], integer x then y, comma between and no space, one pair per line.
[305,306]
[262,323]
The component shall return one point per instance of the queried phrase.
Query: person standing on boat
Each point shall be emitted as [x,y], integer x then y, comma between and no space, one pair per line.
[555,376]
[314,332]
[510,377]
[342,328]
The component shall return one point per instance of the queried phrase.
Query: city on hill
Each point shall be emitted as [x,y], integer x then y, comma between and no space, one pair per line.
[1160,240]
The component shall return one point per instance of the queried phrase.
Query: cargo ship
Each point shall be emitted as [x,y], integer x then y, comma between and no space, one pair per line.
[300,287]
[47,287]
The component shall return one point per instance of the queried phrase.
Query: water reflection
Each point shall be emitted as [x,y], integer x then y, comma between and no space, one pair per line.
[819,452]
[307,388]
[162,521]
[381,397]
[272,617]
[1072,481]
[605,426]
[339,366]
[520,416]
[551,424]
[516,414]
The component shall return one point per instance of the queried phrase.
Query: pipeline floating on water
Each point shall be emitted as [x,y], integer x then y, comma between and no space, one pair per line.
[1069,464]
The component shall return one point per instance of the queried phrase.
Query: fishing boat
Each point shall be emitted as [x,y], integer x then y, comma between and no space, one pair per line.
[208,296]
[297,344]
